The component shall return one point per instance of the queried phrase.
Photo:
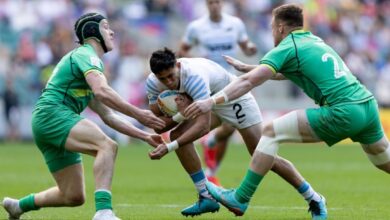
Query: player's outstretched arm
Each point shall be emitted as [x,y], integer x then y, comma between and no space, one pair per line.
[116,122]
[106,95]
[235,89]
[238,65]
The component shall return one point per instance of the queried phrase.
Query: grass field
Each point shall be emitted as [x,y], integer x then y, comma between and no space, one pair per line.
[145,189]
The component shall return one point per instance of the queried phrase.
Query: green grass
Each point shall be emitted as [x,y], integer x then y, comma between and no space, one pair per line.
[145,189]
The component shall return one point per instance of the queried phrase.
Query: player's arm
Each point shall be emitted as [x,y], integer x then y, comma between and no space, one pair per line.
[243,67]
[169,123]
[235,89]
[245,83]
[278,76]
[194,129]
[106,95]
[116,122]
[200,126]
[239,65]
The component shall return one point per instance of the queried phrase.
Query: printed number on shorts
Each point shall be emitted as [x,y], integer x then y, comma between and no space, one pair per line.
[337,63]
[240,116]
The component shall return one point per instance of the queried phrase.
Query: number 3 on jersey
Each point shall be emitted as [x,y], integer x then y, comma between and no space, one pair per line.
[337,63]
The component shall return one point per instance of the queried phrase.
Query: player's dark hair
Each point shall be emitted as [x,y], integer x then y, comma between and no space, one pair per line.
[162,60]
[290,14]
[87,26]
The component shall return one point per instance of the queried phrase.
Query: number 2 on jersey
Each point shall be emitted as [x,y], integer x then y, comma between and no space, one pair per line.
[337,63]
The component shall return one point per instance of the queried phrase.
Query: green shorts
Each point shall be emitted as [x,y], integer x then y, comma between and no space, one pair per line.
[359,121]
[51,126]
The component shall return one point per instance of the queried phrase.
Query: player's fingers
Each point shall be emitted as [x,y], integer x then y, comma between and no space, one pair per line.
[188,109]
[154,155]
[190,112]
[158,123]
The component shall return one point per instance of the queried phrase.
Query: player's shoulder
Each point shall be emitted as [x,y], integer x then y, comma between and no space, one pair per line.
[151,78]
[85,51]
[199,22]
[231,19]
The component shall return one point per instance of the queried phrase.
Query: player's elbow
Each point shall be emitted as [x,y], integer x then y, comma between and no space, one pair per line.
[101,94]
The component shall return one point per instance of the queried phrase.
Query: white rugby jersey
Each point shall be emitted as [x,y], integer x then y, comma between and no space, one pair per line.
[216,39]
[200,78]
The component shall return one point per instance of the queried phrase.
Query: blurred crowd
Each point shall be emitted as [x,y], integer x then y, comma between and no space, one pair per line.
[34,35]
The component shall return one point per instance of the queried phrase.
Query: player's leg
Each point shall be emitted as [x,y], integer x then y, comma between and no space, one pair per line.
[214,148]
[281,166]
[67,170]
[379,153]
[372,137]
[292,127]
[86,137]
[190,161]
[70,191]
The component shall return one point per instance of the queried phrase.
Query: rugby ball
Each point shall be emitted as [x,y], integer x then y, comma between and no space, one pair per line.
[166,102]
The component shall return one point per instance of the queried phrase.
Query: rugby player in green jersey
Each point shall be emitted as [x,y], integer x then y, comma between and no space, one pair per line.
[347,109]
[61,134]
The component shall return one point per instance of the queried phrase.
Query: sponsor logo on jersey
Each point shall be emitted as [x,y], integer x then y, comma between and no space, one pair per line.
[219,47]
[95,61]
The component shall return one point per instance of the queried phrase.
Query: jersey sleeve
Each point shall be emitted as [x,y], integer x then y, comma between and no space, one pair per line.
[278,57]
[190,36]
[87,62]
[151,91]
[196,87]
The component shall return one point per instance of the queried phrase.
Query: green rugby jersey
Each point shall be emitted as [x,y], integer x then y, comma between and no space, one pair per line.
[67,85]
[317,69]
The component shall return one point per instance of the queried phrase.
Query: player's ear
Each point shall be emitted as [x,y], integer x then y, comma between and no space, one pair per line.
[280,28]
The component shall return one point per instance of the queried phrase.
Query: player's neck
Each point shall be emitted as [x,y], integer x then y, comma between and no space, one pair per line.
[215,18]
[97,47]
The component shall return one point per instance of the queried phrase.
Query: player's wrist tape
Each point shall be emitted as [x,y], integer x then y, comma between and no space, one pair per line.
[172,146]
[223,94]
[178,117]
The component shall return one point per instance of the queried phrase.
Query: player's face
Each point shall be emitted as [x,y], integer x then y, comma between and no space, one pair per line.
[276,31]
[214,6]
[108,34]
[170,77]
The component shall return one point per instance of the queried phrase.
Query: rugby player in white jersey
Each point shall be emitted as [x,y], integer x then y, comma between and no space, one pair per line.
[199,79]
[216,34]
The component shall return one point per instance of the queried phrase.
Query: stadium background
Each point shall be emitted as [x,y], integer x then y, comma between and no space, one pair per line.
[34,35]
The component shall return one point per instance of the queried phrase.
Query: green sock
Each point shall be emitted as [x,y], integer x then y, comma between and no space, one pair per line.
[103,200]
[27,203]
[248,186]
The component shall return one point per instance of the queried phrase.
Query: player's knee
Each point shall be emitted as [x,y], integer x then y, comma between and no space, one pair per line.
[379,156]
[75,199]
[268,145]
[110,146]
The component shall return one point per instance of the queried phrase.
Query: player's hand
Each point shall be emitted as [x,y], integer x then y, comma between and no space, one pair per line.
[251,49]
[182,101]
[238,65]
[148,119]
[197,108]
[159,152]
[154,140]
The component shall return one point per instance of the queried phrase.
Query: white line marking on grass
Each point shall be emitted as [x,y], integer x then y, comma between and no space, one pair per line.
[252,207]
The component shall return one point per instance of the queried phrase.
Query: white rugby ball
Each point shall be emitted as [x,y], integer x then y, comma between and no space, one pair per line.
[166,102]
